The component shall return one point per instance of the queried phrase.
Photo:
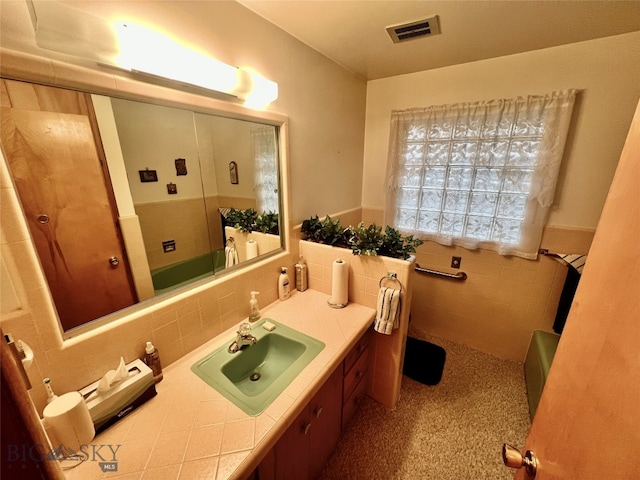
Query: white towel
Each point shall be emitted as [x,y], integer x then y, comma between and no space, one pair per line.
[388,310]
[230,257]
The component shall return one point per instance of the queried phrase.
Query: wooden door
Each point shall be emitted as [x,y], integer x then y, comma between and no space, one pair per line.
[587,425]
[49,145]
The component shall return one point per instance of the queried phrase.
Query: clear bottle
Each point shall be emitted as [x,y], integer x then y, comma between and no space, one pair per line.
[301,275]
[47,385]
[152,359]
[254,310]
[284,291]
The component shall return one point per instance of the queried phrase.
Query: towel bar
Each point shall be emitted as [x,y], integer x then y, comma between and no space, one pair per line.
[391,276]
[452,276]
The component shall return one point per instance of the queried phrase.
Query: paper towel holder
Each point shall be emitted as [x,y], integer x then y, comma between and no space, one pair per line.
[336,305]
[330,302]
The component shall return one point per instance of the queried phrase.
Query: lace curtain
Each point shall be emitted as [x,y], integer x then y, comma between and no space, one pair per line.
[478,175]
[263,146]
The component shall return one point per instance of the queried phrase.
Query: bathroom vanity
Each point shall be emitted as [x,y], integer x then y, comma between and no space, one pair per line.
[190,430]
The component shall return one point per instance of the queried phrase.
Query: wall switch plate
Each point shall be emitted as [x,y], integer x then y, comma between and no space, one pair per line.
[455,262]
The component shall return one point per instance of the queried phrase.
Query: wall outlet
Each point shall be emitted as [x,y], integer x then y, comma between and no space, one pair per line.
[455,262]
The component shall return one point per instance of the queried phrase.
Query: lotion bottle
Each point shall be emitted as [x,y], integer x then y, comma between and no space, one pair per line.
[283,285]
[152,359]
[254,311]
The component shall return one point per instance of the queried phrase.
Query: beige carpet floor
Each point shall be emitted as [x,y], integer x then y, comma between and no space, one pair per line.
[453,430]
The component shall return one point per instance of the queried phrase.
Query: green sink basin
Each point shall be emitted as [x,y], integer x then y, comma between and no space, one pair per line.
[253,377]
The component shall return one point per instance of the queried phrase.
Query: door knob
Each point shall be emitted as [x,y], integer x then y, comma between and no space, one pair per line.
[512,457]
[114,262]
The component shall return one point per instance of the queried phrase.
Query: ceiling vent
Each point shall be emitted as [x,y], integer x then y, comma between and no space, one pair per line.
[412,30]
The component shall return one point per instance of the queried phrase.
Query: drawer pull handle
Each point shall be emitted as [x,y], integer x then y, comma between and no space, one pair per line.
[318,412]
[359,374]
[306,428]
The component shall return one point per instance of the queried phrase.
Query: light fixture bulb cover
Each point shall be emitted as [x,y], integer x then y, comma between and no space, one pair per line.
[138,48]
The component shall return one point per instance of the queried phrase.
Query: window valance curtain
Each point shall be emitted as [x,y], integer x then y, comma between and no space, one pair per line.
[263,145]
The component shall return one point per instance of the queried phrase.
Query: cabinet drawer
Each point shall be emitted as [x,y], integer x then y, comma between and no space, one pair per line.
[355,375]
[351,404]
[356,351]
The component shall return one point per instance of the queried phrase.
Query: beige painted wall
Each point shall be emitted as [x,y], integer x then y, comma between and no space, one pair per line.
[505,299]
[324,102]
[606,71]
[325,108]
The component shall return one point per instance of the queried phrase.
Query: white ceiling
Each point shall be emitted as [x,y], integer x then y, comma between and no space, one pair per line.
[352,32]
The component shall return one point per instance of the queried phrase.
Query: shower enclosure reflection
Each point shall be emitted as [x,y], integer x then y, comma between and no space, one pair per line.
[182,212]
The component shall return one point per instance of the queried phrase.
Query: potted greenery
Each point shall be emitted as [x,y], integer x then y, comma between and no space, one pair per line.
[249,220]
[383,258]
[362,240]
[267,223]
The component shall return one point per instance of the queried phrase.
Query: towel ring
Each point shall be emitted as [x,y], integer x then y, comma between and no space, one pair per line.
[392,277]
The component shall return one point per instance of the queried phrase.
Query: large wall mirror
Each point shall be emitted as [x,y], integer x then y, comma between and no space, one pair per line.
[127,200]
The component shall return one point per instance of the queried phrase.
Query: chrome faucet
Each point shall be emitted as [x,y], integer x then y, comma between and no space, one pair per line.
[244,338]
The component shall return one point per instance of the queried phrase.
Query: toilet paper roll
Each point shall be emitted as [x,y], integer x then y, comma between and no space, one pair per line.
[339,284]
[68,422]
[252,249]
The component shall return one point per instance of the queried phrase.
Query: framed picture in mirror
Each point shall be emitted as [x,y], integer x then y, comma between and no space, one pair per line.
[147,175]
[233,172]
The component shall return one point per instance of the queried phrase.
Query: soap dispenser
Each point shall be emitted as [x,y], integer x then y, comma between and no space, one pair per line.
[254,311]
[152,359]
[50,395]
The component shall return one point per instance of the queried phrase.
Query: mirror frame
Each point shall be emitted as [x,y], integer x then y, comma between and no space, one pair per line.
[106,81]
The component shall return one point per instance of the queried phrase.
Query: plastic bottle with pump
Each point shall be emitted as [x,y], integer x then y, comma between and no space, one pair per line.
[50,395]
[254,310]
[301,275]
[283,284]
[152,359]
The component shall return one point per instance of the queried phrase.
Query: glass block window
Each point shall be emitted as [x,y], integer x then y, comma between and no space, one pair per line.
[479,174]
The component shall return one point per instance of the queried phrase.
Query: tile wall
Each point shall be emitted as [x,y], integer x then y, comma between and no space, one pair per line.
[365,278]
[503,299]
[184,221]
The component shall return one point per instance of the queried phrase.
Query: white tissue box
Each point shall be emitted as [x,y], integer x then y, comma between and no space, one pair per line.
[108,407]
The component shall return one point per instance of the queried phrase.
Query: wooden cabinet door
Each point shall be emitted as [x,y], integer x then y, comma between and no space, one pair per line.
[292,452]
[326,413]
[303,449]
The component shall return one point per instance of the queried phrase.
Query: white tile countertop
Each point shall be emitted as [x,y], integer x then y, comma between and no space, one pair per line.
[190,431]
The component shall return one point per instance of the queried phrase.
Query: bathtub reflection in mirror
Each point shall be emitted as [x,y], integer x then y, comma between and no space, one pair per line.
[194,219]
[176,230]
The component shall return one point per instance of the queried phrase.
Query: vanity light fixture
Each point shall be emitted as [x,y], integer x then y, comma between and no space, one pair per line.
[143,50]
